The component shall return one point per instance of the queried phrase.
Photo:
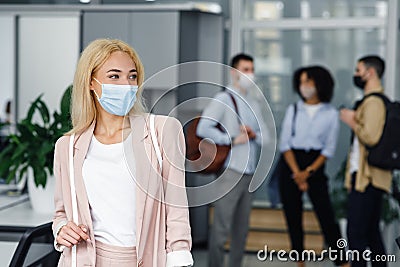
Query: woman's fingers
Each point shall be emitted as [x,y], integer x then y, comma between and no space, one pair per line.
[71,239]
[300,177]
[63,242]
[78,230]
[67,238]
[70,234]
[303,187]
[84,232]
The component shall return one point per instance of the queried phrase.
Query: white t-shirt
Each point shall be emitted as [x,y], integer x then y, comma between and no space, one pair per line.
[312,109]
[111,192]
[354,155]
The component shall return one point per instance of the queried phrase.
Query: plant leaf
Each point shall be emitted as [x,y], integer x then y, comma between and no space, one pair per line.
[32,108]
[33,144]
[65,104]
[44,111]
[40,176]
[19,151]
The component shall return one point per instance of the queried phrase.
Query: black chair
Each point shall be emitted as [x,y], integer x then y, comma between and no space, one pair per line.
[35,248]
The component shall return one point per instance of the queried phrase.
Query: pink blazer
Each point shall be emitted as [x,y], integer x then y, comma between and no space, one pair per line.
[162,227]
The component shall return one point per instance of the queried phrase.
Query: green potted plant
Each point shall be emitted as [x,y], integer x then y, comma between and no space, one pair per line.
[31,148]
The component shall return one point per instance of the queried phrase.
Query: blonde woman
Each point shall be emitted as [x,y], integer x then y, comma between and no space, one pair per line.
[131,202]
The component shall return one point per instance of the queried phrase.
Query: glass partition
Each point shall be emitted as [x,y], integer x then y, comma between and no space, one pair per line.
[260,10]
[310,33]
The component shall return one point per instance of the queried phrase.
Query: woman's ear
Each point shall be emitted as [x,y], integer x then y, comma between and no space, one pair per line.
[91,86]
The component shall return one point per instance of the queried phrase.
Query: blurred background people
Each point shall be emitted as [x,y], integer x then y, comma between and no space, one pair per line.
[308,139]
[366,183]
[231,212]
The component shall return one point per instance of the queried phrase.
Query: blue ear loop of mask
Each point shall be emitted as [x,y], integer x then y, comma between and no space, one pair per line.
[117,99]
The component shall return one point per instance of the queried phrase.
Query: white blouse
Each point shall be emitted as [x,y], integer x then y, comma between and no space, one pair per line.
[312,109]
[111,189]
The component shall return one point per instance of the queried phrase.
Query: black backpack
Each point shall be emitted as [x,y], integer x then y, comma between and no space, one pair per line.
[386,153]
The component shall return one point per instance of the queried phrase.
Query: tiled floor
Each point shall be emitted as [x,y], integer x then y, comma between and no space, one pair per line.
[250,260]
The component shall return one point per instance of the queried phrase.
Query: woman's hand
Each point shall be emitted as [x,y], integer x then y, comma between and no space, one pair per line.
[301,177]
[303,186]
[71,234]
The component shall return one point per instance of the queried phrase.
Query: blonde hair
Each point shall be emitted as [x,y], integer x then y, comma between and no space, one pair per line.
[83,108]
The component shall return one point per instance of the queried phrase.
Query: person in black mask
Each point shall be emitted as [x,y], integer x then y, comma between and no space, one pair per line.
[366,184]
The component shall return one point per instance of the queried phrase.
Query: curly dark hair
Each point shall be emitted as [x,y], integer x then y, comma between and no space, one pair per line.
[322,78]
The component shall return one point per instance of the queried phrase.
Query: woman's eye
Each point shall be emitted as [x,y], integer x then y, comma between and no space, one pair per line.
[133,77]
[115,76]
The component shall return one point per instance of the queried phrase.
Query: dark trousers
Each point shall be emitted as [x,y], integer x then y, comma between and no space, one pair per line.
[318,193]
[364,213]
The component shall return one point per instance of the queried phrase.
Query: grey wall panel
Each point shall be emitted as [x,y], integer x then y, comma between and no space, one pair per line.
[211,31]
[188,51]
[7,55]
[189,31]
[155,35]
[105,25]
[202,40]
[48,51]
[211,49]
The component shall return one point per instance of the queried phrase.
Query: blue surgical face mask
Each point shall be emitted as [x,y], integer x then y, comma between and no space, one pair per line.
[117,99]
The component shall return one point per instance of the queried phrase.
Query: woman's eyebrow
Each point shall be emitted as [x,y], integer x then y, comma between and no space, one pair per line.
[117,70]
[114,70]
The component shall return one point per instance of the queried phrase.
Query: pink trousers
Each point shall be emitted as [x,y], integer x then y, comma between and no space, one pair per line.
[115,256]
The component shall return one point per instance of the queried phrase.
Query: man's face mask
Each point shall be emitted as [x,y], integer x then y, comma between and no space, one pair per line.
[246,81]
[117,99]
[359,82]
